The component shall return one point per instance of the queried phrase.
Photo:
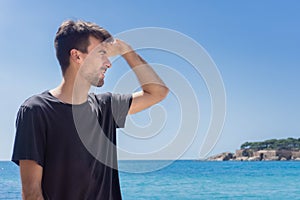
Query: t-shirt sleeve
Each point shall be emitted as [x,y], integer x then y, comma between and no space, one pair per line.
[30,136]
[120,104]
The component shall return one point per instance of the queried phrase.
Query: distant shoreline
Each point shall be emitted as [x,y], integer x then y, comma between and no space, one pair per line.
[268,150]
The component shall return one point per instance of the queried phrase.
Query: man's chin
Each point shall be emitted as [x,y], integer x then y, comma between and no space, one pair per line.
[99,84]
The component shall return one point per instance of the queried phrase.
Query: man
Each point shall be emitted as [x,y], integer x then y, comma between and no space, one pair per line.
[65,137]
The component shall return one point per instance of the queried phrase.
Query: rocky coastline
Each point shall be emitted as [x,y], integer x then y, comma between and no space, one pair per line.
[257,155]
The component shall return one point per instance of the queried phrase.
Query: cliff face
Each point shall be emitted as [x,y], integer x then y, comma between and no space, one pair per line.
[254,155]
[222,157]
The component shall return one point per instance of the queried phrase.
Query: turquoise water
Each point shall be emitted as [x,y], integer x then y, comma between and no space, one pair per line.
[10,185]
[192,180]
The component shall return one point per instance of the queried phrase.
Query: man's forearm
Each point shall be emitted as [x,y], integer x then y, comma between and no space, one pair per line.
[149,80]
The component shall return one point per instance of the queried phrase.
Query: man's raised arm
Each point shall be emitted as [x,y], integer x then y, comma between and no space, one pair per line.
[153,88]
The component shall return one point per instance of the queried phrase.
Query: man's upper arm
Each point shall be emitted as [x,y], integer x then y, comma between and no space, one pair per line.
[31,177]
[30,139]
[142,100]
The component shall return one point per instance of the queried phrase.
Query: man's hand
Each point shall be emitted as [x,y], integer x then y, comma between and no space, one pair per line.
[116,47]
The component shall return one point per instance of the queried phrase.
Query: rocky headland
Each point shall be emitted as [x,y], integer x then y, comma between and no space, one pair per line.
[269,150]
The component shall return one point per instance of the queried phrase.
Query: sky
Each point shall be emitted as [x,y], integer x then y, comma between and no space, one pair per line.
[255,46]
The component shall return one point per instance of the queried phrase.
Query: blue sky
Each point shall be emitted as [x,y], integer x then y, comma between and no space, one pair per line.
[255,45]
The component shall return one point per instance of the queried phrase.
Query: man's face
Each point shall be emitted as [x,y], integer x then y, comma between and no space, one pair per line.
[95,63]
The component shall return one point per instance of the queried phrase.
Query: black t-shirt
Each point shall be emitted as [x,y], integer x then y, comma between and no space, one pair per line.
[75,144]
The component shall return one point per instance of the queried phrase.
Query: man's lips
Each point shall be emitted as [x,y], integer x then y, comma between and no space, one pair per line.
[103,73]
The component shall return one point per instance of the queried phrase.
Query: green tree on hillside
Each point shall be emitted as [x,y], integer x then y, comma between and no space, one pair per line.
[273,144]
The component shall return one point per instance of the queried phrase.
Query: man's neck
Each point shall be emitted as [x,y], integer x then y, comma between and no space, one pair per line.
[72,90]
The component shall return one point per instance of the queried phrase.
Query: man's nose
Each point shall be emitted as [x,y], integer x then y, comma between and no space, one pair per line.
[108,63]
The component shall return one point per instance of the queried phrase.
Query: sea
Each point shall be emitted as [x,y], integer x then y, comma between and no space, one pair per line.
[191,179]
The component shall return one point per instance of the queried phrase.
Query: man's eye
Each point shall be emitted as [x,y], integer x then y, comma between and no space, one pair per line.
[102,52]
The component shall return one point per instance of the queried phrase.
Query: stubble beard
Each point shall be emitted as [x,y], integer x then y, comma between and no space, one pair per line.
[95,80]
[100,83]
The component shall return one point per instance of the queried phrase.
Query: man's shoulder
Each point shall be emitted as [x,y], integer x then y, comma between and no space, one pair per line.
[36,100]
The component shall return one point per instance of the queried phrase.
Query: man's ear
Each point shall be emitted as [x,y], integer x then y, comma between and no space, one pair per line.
[75,56]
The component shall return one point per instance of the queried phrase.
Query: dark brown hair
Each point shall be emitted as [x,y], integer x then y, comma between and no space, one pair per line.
[75,35]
